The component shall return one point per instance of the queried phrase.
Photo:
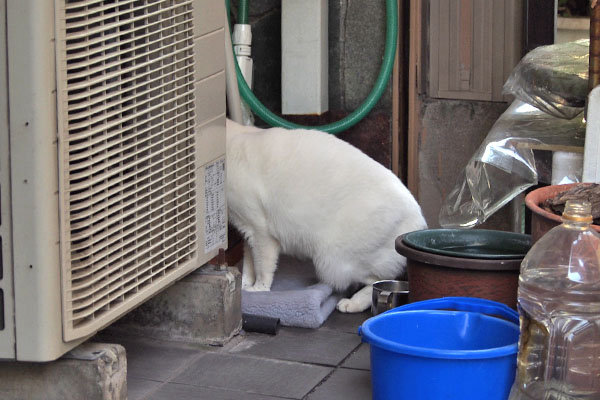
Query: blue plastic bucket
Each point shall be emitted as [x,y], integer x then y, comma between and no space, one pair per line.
[421,351]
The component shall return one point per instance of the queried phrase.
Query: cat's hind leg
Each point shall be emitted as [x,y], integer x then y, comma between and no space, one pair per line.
[265,252]
[248,274]
[360,301]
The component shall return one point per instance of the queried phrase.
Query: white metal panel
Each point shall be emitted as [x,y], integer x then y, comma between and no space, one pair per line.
[210,97]
[212,44]
[211,134]
[7,329]
[34,180]
[211,16]
[210,124]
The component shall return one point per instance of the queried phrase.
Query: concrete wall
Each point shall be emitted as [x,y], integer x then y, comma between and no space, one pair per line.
[451,132]
[356,46]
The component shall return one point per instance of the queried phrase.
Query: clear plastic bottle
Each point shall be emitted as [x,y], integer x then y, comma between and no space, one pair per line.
[559,307]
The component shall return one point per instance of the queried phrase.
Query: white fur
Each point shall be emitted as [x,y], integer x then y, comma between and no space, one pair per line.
[311,195]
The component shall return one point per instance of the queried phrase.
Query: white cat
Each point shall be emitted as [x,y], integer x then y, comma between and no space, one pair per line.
[311,195]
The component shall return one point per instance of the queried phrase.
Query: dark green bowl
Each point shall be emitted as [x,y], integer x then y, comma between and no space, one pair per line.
[470,243]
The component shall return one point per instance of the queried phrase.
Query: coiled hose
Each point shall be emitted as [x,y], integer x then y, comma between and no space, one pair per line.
[391,39]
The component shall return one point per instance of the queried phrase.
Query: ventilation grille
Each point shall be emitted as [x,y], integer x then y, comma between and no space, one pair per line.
[127,179]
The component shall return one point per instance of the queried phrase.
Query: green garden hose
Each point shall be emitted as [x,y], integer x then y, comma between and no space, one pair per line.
[391,38]
[243,6]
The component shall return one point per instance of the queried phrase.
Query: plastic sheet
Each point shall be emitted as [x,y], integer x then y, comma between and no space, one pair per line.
[504,164]
[553,78]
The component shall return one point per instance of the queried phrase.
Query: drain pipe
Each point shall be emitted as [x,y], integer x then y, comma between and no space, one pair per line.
[242,41]
[234,102]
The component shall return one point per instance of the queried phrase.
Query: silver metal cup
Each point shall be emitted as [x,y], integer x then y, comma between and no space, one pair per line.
[387,295]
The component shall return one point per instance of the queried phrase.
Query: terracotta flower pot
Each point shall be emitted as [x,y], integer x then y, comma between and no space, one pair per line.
[432,275]
[541,220]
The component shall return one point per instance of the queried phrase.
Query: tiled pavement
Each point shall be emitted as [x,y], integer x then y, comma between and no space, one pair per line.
[328,363]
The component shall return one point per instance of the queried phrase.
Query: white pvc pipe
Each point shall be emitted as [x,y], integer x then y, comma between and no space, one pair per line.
[234,103]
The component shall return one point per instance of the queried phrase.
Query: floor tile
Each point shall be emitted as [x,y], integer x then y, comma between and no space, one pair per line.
[344,384]
[360,358]
[156,361]
[345,322]
[173,391]
[303,345]
[253,375]
[138,389]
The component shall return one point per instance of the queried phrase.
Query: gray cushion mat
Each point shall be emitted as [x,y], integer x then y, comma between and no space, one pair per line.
[296,296]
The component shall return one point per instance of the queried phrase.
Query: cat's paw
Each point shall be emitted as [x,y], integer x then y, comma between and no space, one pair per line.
[349,306]
[257,288]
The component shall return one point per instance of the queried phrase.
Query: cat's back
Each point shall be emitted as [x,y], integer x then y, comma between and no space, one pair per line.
[299,165]
[302,153]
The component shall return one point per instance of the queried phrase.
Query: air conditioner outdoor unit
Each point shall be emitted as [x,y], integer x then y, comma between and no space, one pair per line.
[112,161]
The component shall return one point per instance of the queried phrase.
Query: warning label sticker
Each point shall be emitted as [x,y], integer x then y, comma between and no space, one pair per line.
[215,222]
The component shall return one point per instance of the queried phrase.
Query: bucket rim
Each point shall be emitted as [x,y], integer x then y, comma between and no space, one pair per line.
[471,304]
[368,336]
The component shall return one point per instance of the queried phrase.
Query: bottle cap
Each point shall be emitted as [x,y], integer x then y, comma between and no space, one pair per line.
[578,211]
